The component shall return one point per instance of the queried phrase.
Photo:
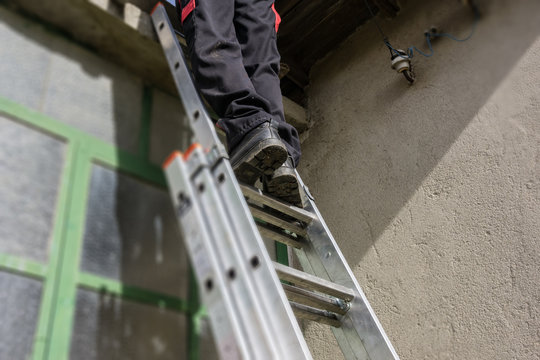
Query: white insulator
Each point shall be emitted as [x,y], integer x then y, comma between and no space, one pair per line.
[401,63]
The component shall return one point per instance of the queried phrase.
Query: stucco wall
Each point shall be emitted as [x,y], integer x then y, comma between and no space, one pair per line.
[433,190]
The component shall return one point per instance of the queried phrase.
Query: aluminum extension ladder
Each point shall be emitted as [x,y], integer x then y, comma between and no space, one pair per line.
[252,314]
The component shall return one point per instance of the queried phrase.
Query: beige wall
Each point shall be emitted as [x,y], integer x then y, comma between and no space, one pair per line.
[432,191]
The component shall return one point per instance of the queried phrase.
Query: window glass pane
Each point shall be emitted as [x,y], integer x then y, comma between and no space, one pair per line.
[170,128]
[93,95]
[25,59]
[131,234]
[30,170]
[19,308]
[207,345]
[71,84]
[107,327]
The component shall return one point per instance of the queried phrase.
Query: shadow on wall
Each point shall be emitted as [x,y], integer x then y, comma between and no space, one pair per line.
[152,252]
[149,247]
[130,232]
[375,139]
[138,230]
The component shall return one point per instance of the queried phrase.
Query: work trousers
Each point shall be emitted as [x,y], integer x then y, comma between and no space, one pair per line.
[235,61]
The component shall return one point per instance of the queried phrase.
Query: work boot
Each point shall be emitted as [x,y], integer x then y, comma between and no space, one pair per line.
[283,184]
[260,152]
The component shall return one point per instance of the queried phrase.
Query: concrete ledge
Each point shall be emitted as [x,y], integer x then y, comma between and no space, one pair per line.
[139,20]
[295,114]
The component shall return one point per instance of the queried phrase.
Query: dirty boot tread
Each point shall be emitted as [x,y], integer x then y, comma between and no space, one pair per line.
[267,156]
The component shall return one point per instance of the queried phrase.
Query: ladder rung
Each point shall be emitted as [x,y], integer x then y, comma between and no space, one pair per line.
[257,195]
[279,236]
[260,214]
[313,314]
[311,282]
[315,300]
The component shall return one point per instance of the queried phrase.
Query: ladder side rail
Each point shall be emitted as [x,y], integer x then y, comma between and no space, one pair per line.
[238,277]
[279,314]
[327,261]
[227,331]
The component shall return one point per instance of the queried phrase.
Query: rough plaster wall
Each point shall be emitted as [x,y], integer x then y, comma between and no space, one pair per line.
[432,191]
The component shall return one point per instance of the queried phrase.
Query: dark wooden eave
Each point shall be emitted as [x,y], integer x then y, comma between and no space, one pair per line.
[310,29]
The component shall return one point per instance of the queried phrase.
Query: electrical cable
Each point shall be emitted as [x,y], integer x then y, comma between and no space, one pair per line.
[429,36]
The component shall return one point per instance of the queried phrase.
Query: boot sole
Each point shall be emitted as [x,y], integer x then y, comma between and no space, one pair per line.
[262,159]
[286,188]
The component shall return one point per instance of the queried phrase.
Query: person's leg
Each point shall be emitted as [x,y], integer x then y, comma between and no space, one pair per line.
[217,63]
[256,26]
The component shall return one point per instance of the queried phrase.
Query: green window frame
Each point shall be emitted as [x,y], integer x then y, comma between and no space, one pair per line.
[62,276]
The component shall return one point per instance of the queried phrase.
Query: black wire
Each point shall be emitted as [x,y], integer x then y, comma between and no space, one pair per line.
[385,38]
[375,19]
[410,50]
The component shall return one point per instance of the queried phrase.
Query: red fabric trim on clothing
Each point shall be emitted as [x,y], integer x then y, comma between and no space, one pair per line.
[278,18]
[187,10]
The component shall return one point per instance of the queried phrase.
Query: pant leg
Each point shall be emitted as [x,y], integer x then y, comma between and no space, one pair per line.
[218,67]
[255,26]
